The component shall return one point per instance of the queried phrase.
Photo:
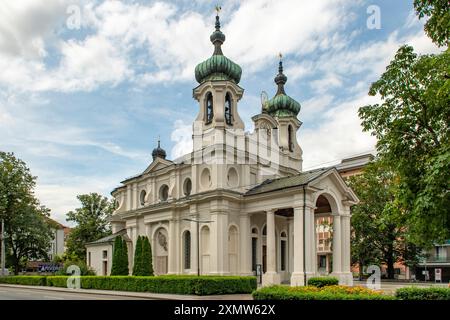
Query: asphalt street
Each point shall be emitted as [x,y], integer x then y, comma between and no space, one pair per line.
[8,293]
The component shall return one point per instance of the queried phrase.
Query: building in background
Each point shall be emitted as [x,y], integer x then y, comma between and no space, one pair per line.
[437,260]
[99,253]
[57,245]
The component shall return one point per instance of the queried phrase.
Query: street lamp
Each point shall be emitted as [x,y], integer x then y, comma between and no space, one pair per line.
[2,238]
[198,239]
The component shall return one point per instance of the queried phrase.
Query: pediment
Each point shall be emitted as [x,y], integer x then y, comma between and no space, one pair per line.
[331,179]
[158,164]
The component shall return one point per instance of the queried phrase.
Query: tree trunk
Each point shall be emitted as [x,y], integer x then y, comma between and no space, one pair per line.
[361,266]
[390,263]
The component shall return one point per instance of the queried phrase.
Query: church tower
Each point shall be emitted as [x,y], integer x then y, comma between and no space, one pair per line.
[279,114]
[218,93]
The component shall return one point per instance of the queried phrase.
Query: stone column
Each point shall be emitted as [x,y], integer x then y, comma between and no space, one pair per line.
[347,277]
[194,246]
[310,243]
[291,244]
[172,268]
[337,246]
[219,243]
[128,204]
[245,245]
[298,274]
[271,276]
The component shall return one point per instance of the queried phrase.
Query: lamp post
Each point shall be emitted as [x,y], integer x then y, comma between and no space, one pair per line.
[198,239]
[2,238]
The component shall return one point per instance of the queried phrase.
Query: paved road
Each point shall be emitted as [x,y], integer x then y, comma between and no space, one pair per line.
[8,293]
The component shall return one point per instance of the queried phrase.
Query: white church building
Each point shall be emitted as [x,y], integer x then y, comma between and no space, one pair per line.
[239,202]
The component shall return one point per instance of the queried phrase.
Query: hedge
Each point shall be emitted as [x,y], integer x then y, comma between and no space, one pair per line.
[203,285]
[320,282]
[25,280]
[414,293]
[280,292]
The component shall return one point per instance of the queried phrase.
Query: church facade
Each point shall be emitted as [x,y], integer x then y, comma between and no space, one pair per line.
[239,203]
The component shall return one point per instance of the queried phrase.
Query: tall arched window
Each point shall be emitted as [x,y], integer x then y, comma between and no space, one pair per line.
[290,141]
[209,107]
[283,250]
[228,114]
[187,250]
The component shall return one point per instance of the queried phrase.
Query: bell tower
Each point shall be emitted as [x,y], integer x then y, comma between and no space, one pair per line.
[284,110]
[218,93]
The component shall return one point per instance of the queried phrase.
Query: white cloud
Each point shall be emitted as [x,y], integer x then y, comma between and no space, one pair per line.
[173,42]
[60,193]
[338,135]
[314,107]
[182,136]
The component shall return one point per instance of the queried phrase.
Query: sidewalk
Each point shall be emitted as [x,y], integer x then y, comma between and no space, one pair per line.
[142,295]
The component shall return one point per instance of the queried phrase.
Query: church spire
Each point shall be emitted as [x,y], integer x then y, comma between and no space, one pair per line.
[217,37]
[280,78]
[281,105]
[218,66]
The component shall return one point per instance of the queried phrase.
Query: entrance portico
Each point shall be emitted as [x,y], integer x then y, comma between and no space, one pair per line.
[284,239]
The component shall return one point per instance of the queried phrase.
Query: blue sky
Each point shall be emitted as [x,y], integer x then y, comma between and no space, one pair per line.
[84,106]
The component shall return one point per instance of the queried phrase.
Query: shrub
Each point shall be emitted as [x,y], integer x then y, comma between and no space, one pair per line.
[24,280]
[413,293]
[84,269]
[314,293]
[320,282]
[203,285]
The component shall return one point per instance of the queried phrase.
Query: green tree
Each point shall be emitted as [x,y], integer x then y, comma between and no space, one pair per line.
[120,258]
[124,260]
[147,265]
[411,127]
[92,223]
[438,25]
[378,221]
[27,231]
[117,255]
[137,266]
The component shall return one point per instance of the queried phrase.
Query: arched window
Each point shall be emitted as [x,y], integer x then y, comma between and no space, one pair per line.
[187,250]
[283,250]
[209,107]
[164,193]
[142,197]
[228,114]
[187,187]
[290,141]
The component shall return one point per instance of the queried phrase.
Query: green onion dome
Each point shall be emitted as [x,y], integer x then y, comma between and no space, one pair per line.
[281,105]
[218,67]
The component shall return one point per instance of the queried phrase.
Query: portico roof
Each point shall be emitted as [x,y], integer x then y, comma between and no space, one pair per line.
[111,238]
[287,182]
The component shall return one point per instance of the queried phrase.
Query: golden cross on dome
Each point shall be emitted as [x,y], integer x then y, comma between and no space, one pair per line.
[280,55]
[218,8]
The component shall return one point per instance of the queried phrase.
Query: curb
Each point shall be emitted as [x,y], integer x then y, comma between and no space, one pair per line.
[142,295]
